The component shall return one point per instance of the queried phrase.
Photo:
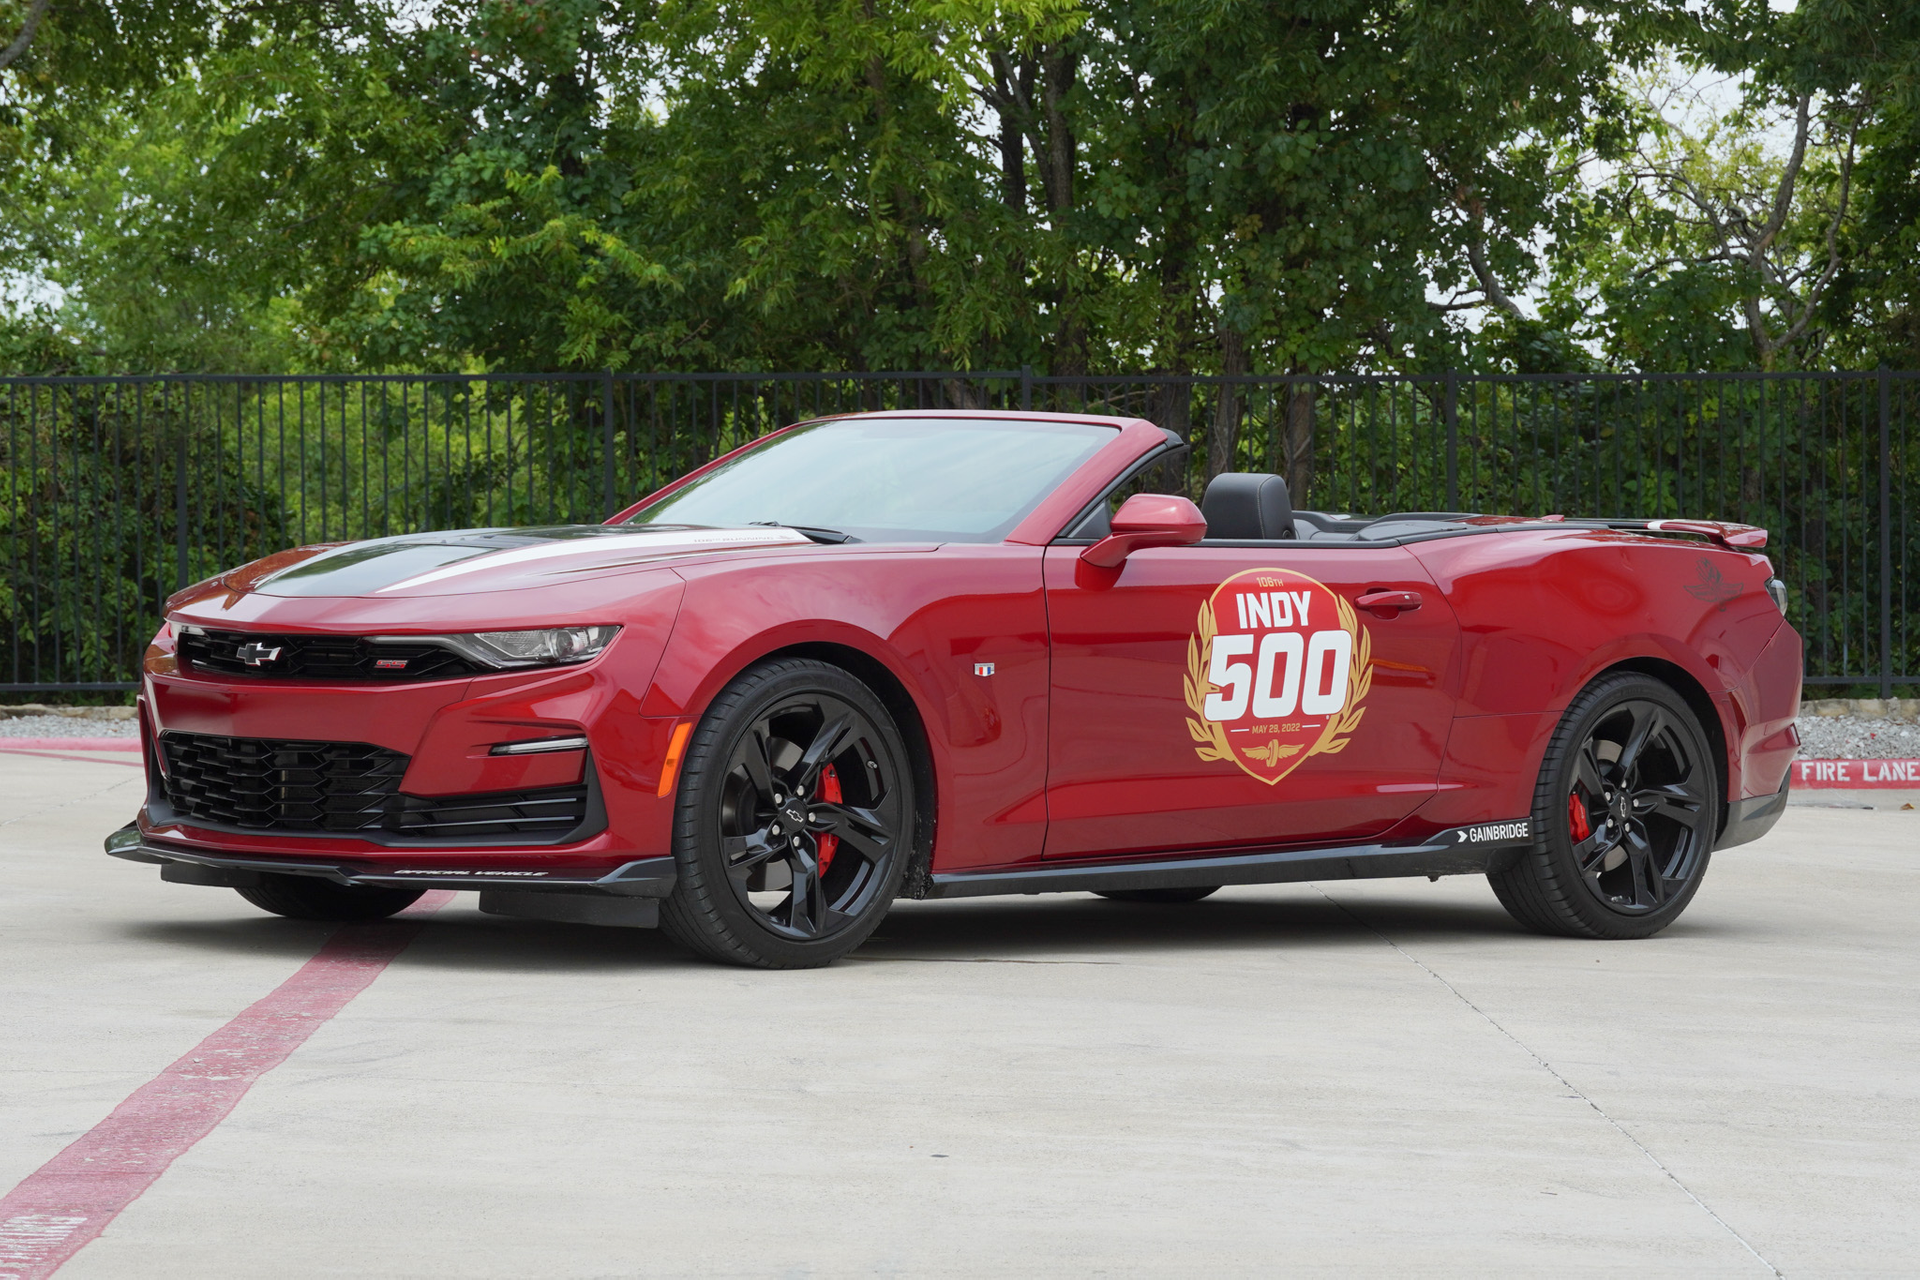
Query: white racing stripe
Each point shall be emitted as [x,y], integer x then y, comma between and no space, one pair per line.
[656,543]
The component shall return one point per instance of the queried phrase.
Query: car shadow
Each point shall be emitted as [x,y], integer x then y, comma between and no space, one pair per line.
[451,938]
[1056,928]
[1066,927]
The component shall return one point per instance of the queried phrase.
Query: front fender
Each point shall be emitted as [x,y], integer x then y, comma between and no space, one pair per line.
[934,620]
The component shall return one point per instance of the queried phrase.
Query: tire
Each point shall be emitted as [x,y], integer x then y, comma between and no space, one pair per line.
[1625,814]
[794,820]
[311,898]
[1159,895]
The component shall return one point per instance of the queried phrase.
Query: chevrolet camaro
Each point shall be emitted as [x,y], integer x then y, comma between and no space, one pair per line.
[931,654]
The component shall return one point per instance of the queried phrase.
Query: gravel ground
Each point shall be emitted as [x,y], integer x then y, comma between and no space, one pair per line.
[67,727]
[1857,738]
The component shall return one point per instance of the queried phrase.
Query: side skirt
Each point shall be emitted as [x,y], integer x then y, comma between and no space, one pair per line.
[1457,851]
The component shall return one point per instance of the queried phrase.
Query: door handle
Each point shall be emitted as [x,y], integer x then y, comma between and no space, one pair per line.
[1389,604]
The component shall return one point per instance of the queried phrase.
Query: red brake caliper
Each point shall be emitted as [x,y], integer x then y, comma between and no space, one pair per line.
[830,792]
[1577,818]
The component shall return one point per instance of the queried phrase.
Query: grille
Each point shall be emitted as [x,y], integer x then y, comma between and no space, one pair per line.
[320,657]
[272,785]
[268,784]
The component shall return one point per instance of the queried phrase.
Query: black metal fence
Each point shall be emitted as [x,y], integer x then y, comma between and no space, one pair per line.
[121,490]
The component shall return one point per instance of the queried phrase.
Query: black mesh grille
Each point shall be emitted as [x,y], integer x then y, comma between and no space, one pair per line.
[273,785]
[318,657]
[267,784]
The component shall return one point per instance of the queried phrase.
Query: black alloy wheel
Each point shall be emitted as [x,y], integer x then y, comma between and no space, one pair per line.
[795,819]
[1625,814]
[1634,810]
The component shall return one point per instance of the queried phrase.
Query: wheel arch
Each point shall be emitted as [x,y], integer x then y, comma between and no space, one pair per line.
[893,694]
[1700,702]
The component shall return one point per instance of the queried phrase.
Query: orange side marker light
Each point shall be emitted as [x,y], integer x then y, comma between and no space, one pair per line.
[675,748]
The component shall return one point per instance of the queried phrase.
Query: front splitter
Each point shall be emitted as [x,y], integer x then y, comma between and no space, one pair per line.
[641,878]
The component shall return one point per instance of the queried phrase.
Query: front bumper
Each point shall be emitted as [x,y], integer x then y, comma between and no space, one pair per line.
[446,731]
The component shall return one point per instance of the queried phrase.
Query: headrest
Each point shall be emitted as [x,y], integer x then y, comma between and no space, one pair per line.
[1247,505]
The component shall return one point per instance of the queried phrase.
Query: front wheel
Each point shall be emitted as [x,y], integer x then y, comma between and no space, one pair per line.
[794,821]
[1624,816]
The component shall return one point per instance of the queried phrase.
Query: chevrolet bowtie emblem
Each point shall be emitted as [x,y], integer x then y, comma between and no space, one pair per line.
[253,653]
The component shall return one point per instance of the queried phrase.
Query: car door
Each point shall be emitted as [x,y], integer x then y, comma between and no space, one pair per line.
[1235,694]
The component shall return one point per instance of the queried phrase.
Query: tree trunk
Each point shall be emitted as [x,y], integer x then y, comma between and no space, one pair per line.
[1057,159]
[1224,437]
[1300,442]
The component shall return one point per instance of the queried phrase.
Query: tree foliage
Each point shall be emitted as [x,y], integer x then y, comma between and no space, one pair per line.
[1077,185]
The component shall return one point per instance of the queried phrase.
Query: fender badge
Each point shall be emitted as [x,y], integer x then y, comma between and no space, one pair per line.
[983,668]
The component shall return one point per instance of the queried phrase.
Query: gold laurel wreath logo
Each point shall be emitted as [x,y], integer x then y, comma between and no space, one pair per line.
[1212,736]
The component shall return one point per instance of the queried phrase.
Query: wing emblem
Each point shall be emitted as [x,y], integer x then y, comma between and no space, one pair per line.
[1713,588]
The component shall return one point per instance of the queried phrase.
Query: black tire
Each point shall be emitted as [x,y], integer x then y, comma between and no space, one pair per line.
[756,803]
[1631,766]
[311,898]
[1159,895]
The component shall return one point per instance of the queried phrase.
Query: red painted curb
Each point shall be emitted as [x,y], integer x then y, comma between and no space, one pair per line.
[36,754]
[1854,775]
[71,1198]
[69,744]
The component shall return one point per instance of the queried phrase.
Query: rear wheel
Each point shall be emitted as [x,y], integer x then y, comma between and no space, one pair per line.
[1159,895]
[311,898]
[1624,815]
[794,821]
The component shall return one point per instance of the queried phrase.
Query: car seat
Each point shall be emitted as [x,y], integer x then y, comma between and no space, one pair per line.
[1247,506]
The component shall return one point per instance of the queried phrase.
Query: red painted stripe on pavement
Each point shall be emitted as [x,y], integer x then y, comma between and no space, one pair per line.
[1856,774]
[71,1198]
[61,755]
[70,744]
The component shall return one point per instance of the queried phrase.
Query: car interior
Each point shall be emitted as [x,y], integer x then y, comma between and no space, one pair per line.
[1251,506]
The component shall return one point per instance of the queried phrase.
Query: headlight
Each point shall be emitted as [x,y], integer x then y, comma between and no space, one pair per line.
[548,647]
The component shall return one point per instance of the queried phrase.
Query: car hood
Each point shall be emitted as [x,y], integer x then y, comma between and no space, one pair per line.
[471,561]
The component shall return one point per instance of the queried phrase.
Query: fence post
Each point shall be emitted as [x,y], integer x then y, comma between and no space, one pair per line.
[1453,440]
[1886,534]
[1026,386]
[606,446]
[180,491]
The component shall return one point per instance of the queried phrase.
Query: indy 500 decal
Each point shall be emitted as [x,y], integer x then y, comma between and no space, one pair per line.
[1277,668]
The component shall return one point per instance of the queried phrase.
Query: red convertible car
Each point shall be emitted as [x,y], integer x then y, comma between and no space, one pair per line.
[933,654]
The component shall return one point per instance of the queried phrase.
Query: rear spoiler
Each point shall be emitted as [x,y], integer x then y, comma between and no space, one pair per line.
[1734,537]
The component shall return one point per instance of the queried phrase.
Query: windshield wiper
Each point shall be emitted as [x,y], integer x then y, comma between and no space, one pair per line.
[815,532]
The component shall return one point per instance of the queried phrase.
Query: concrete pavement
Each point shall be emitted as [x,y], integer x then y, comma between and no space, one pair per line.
[1371,1078]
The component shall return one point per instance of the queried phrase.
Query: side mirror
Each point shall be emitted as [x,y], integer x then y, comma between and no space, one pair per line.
[1147,520]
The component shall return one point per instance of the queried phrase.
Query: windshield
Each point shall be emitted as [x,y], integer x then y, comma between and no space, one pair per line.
[889,479]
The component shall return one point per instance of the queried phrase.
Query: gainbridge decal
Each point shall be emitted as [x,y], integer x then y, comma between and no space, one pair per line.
[1277,669]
